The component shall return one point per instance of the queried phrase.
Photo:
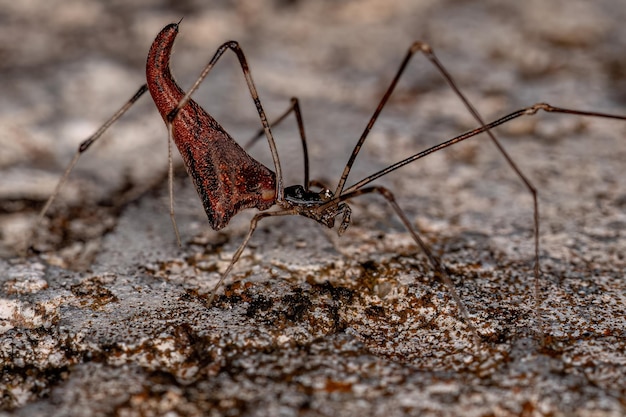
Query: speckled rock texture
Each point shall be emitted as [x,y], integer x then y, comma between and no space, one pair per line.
[111,317]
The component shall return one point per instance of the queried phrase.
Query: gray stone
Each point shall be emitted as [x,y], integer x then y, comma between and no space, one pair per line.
[112,318]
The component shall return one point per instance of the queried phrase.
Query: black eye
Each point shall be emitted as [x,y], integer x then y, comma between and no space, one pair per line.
[295,191]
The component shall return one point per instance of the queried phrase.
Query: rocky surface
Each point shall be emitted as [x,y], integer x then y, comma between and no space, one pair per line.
[112,318]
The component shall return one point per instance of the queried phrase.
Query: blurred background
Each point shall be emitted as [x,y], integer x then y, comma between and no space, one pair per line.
[66,66]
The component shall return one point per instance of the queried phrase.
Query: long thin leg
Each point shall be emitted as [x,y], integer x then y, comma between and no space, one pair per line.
[528,111]
[440,270]
[428,52]
[170,181]
[234,46]
[295,108]
[244,243]
[81,149]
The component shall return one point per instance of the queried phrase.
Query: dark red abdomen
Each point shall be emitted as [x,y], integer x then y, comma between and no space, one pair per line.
[226,177]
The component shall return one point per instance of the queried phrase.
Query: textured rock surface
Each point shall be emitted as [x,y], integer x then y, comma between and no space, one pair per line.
[112,318]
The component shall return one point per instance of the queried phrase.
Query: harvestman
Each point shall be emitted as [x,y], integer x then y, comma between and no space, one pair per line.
[228,180]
